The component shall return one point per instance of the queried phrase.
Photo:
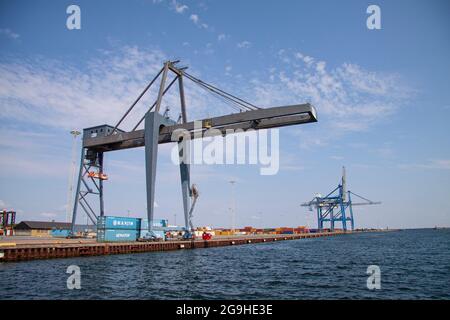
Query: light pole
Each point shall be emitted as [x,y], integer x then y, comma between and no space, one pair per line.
[233,207]
[74,134]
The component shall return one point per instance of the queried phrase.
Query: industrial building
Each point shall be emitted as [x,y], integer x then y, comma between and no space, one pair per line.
[44,228]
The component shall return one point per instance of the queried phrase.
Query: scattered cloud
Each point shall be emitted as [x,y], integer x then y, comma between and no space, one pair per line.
[283,56]
[57,95]
[337,157]
[292,168]
[54,94]
[244,44]
[440,164]
[221,37]
[348,97]
[364,166]
[181,8]
[9,34]
[2,204]
[178,7]
[33,153]
[384,152]
[196,20]
[306,59]
[17,164]
[49,214]
[228,70]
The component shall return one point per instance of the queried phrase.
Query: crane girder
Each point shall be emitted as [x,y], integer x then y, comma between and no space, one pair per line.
[255,119]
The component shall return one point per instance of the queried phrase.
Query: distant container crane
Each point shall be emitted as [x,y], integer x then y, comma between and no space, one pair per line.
[337,206]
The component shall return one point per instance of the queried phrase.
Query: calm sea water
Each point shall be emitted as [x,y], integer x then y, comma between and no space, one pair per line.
[415,264]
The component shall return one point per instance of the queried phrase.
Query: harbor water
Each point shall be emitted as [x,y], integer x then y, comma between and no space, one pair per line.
[413,264]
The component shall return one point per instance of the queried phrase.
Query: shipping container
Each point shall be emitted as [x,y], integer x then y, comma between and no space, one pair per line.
[144,234]
[125,223]
[110,235]
[156,223]
[60,233]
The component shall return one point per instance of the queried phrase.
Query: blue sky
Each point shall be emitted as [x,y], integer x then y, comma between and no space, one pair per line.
[382,98]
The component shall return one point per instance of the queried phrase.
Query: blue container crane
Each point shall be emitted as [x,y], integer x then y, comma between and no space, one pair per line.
[337,206]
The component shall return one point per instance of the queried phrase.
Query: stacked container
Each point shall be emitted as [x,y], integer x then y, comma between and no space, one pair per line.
[119,229]
[157,228]
[60,233]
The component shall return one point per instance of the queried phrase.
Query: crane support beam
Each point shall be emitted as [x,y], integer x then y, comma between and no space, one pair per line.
[255,119]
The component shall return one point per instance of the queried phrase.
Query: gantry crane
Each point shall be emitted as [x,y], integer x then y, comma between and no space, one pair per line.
[159,129]
[333,207]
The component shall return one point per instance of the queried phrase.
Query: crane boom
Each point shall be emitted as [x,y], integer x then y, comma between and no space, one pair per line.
[253,119]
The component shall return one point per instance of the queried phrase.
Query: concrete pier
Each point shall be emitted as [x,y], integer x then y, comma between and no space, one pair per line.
[31,249]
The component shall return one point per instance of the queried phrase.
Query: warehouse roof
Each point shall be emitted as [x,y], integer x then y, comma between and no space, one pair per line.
[42,225]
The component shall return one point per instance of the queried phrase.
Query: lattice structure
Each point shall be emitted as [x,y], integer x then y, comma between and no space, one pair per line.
[337,206]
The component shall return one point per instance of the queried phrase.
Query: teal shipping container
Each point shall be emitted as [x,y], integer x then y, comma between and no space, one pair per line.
[125,223]
[116,235]
[159,234]
[156,223]
[60,233]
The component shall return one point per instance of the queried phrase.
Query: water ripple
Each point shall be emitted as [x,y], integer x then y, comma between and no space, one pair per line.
[415,264]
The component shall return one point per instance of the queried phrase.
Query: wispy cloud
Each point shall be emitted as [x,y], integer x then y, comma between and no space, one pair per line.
[55,94]
[352,96]
[228,70]
[222,37]
[439,164]
[49,214]
[196,20]
[9,34]
[179,7]
[244,44]
[306,59]
[33,154]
